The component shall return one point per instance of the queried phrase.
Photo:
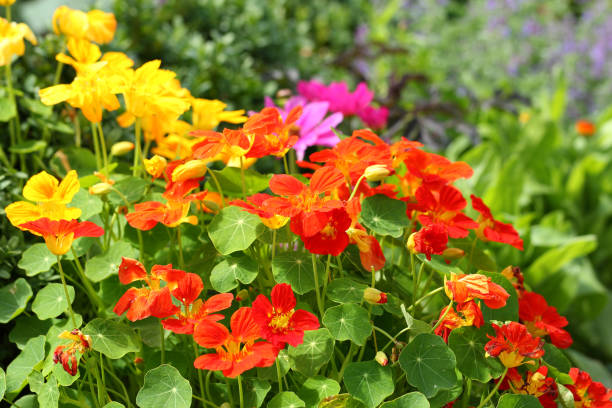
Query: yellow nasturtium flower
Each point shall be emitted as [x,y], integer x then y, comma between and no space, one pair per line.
[11,40]
[207,114]
[96,25]
[50,197]
[7,2]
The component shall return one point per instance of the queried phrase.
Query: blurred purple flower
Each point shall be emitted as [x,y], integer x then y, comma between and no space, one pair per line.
[314,127]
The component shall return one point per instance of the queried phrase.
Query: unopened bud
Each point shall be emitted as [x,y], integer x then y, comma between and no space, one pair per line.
[374,296]
[451,254]
[585,128]
[211,205]
[138,360]
[225,405]
[411,245]
[381,358]
[100,189]
[376,172]
[155,166]
[193,169]
[242,295]
[121,148]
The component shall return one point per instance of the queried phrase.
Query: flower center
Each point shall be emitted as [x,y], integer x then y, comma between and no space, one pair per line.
[280,321]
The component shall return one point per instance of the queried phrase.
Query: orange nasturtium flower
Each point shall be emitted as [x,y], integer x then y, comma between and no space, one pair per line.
[95,25]
[272,135]
[463,288]
[585,128]
[152,300]
[513,343]
[59,235]
[207,114]
[490,229]
[50,197]
[11,40]
[237,351]
[66,354]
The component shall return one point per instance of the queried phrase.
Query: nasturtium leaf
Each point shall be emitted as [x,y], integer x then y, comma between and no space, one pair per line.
[7,109]
[48,397]
[566,398]
[102,266]
[429,364]
[36,259]
[348,322]
[230,179]
[369,382]
[28,146]
[89,204]
[270,373]
[234,230]
[443,397]
[468,345]
[411,400]
[51,301]
[114,404]
[345,290]
[439,267]
[36,381]
[341,401]
[255,392]
[226,274]
[286,399]
[476,256]
[508,312]
[315,389]
[518,401]
[18,370]
[316,350]
[27,327]
[13,299]
[27,401]
[556,358]
[295,268]
[384,215]
[63,378]
[132,188]
[164,387]
[111,338]
[2,382]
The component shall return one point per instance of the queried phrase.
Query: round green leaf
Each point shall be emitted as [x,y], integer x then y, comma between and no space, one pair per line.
[230,179]
[13,299]
[89,204]
[29,146]
[384,215]
[7,109]
[429,364]
[410,400]
[132,189]
[443,397]
[37,259]
[555,357]
[111,338]
[51,301]
[468,345]
[316,350]
[48,397]
[18,370]
[226,274]
[369,382]
[295,268]
[348,322]
[315,389]
[341,401]
[508,312]
[27,327]
[114,404]
[234,230]
[2,382]
[286,399]
[102,266]
[518,401]
[164,387]
[255,391]
[345,290]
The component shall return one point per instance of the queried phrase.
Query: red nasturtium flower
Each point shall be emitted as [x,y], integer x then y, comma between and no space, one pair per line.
[279,321]
[588,393]
[490,229]
[66,354]
[429,240]
[513,343]
[153,300]
[187,290]
[542,319]
[59,235]
[535,383]
[462,288]
[585,128]
[237,351]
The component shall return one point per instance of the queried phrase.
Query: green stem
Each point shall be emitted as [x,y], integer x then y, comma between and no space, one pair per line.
[316,282]
[393,340]
[229,392]
[162,343]
[242,177]
[466,395]
[273,250]
[94,136]
[422,298]
[494,390]
[280,377]
[200,379]
[137,131]
[91,293]
[356,187]
[416,281]
[63,278]
[77,131]
[12,403]
[346,361]
[448,308]
[15,120]
[60,65]
[240,394]
[141,246]
[216,181]
[103,147]
[92,389]
[285,164]
[378,329]
[180,247]
[327,272]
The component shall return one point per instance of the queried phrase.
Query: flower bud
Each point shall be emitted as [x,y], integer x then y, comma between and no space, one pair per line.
[585,128]
[374,296]
[225,405]
[155,166]
[121,148]
[242,295]
[524,117]
[381,358]
[100,189]
[193,169]
[451,254]
[138,360]
[376,172]
[411,245]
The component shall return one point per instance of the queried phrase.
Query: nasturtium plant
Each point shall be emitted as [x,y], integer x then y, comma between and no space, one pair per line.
[37,259]
[234,230]
[467,344]
[348,322]
[51,301]
[369,382]
[410,400]
[231,271]
[111,338]
[384,216]
[164,386]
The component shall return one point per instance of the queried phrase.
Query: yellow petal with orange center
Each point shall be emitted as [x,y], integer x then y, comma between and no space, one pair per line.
[59,244]
[41,187]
